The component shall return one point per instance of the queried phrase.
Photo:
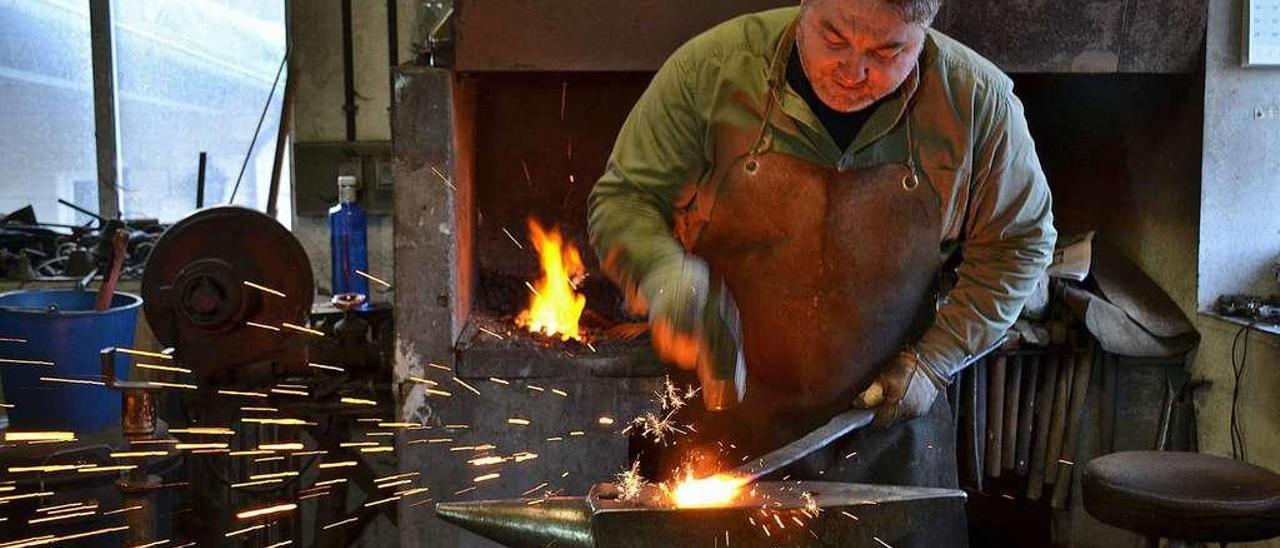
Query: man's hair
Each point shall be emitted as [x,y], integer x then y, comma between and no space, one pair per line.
[918,11]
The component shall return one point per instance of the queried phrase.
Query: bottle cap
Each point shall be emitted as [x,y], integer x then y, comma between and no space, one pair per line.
[346,181]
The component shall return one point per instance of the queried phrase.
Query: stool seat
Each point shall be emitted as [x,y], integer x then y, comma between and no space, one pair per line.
[1185,496]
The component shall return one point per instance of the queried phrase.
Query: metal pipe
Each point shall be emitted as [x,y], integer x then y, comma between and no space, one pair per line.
[348,72]
[204,160]
[105,108]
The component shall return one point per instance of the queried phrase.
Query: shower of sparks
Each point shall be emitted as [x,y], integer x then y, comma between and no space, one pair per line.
[260,409]
[47,539]
[162,368]
[577,433]
[289,446]
[499,381]
[658,429]
[326,367]
[524,456]
[279,544]
[373,278]
[534,489]
[535,388]
[262,326]
[442,177]
[250,453]
[358,401]
[518,422]
[882,543]
[604,421]
[204,431]
[434,392]
[302,329]
[144,353]
[183,386]
[421,380]
[341,464]
[630,482]
[555,439]
[138,454]
[13,340]
[440,367]
[277,422]
[60,517]
[245,530]
[255,483]
[383,501]
[15,361]
[264,289]
[527,178]
[73,381]
[24,496]
[378,449]
[811,507]
[340,523]
[487,461]
[274,475]
[39,436]
[327,483]
[244,394]
[397,477]
[398,425]
[513,238]
[279,508]
[491,334]
[486,477]
[465,385]
[559,392]
[199,446]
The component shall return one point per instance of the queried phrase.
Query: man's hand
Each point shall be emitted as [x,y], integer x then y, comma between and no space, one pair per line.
[904,389]
[694,323]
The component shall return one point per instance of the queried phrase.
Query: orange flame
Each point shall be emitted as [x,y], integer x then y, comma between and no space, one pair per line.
[708,492]
[555,305]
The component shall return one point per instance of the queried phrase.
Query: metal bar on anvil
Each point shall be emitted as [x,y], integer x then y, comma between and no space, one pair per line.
[807,514]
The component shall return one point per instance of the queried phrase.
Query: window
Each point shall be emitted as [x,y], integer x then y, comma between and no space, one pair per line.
[191,76]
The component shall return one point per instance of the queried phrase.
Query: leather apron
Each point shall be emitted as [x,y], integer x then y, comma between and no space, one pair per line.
[834,272]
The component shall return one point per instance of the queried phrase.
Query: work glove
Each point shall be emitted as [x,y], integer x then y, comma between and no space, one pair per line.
[904,389]
[694,324]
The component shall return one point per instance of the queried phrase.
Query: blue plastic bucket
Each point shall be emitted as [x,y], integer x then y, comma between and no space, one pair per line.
[60,326]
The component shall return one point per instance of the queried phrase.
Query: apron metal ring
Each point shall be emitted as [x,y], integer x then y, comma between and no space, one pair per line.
[752,166]
[910,181]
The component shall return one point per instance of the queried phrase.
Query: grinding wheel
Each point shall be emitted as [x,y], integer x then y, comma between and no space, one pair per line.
[196,299]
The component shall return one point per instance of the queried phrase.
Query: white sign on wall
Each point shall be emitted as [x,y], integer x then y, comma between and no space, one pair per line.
[1261,33]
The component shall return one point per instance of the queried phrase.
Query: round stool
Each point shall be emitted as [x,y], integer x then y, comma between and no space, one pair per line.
[1183,497]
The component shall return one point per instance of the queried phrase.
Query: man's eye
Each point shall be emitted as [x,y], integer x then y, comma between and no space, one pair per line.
[833,40]
[888,53]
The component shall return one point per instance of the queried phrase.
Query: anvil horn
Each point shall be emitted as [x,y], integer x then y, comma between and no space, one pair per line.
[560,521]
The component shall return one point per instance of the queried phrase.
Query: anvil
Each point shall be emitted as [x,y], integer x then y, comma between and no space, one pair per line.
[765,514]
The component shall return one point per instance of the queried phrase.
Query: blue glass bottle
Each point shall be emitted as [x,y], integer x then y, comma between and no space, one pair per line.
[348,242]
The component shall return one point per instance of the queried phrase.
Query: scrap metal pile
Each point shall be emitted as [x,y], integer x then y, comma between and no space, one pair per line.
[31,250]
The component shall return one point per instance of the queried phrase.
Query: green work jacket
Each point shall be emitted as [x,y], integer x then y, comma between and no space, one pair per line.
[970,143]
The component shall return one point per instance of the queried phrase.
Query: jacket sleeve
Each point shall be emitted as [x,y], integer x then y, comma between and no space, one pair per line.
[1007,243]
[658,151]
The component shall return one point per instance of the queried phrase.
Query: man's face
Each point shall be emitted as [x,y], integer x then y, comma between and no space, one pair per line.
[855,52]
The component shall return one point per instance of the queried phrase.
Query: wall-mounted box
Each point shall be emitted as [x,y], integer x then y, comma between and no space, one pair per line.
[317,165]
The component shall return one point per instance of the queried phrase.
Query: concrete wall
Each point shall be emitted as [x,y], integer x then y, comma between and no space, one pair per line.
[316,28]
[1239,237]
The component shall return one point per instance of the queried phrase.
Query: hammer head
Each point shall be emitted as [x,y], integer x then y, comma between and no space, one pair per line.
[722,372]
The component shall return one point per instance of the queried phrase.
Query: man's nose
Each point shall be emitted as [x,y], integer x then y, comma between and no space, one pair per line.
[852,73]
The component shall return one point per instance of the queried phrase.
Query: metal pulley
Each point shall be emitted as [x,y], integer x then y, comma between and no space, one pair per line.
[219,285]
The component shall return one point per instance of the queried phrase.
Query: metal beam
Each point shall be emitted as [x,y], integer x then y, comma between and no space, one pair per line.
[105,108]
